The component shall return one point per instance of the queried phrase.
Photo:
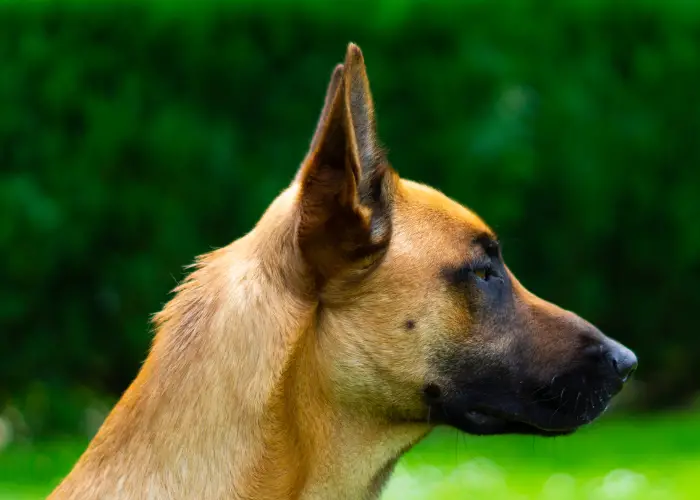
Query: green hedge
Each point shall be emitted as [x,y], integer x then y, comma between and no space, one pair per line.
[136,135]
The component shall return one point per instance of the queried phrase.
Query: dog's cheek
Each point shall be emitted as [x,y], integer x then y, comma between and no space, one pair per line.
[481,346]
[375,361]
[448,339]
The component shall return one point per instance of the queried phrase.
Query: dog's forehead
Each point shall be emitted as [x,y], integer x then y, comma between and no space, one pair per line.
[433,229]
[440,211]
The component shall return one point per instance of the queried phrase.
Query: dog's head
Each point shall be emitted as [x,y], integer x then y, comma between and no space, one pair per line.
[419,318]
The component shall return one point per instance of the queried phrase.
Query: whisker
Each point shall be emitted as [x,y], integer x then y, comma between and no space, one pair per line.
[561,403]
[576,404]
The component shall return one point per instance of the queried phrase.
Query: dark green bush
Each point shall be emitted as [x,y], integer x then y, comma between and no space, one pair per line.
[134,136]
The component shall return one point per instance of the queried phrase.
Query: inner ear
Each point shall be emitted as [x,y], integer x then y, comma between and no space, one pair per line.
[333,85]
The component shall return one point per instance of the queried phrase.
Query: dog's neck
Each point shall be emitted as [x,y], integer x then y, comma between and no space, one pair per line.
[346,454]
[232,400]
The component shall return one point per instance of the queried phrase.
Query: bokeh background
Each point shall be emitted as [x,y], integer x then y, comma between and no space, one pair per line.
[137,135]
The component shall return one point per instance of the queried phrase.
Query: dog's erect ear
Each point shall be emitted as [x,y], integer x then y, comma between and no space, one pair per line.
[345,183]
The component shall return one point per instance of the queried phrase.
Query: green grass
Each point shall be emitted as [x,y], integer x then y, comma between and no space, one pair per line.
[640,458]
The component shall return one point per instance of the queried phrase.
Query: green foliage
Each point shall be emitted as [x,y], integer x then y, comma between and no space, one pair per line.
[136,135]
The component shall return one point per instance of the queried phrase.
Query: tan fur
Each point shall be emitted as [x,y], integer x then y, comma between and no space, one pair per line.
[282,368]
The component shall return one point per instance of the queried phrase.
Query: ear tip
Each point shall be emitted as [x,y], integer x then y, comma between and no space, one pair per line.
[337,71]
[354,53]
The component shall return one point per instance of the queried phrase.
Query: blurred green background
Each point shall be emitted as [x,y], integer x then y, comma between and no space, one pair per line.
[136,135]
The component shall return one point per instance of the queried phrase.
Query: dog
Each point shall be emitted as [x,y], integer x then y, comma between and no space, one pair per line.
[363,309]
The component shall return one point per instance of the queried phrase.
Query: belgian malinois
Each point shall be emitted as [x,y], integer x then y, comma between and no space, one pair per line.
[302,360]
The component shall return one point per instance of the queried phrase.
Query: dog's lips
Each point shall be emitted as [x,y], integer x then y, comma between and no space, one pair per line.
[486,422]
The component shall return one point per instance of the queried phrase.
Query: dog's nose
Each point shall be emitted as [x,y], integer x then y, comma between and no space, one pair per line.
[623,360]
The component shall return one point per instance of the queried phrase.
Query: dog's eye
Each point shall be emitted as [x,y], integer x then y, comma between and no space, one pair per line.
[481,273]
[485,273]
[462,276]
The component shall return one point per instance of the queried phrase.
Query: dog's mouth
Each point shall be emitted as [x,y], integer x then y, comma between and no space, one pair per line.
[554,410]
[487,423]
